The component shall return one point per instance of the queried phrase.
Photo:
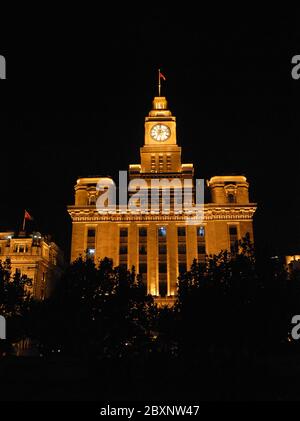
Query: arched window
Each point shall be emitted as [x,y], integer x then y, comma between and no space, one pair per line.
[92,200]
[231,198]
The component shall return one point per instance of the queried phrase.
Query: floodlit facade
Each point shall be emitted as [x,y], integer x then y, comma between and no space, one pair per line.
[35,256]
[160,241]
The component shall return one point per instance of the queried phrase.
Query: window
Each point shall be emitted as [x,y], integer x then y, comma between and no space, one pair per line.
[143,254]
[123,249]
[231,198]
[162,249]
[162,268]
[201,244]
[181,248]
[201,248]
[92,200]
[232,230]
[20,248]
[182,267]
[123,232]
[91,243]
[143,232]
[143,268]
[153,163]
[181,231]
[233,238]
[200,231]
[162,261]
[143,249]
[91,232]
[162,232]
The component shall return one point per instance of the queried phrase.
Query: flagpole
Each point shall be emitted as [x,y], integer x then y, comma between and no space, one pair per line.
[24,221]
[159,84]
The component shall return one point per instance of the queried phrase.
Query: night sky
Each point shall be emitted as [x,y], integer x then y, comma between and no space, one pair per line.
[75,106]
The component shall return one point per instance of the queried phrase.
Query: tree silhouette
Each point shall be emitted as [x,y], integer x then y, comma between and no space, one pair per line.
[15,304]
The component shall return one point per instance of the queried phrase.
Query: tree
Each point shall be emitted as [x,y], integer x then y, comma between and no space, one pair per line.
[236,309]
[97,311]
[15,304]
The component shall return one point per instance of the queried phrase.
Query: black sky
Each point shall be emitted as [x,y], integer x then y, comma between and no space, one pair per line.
[75,105]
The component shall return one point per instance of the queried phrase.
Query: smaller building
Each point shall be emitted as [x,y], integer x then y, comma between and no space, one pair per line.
[293,262]
[33,255]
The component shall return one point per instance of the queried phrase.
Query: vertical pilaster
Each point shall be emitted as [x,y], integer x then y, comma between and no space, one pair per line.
[191,244]
[152,265]
[133,246]
[172,250]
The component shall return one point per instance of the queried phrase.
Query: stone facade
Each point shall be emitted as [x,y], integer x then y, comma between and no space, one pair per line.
[35,256]
[160,245]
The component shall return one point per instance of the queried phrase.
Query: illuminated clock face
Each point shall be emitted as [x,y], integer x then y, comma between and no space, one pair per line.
[160,132]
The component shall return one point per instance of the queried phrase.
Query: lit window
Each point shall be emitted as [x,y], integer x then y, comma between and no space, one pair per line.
[162,231]
[200,231]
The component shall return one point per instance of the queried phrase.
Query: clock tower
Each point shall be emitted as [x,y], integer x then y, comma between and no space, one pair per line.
[160,153]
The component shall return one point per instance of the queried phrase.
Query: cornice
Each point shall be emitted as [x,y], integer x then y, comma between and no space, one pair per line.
[212,212]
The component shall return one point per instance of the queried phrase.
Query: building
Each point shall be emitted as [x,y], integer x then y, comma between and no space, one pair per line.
[160,244]
[35,256]
[293,262]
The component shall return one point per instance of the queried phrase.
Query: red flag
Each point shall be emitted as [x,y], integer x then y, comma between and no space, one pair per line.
[27,216]
[161,76]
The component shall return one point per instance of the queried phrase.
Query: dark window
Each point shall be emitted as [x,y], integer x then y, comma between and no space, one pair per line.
[233,230]
[162,249]
[142,268]
[181,248]
[201,249]
[182,267]
[162,268]
[143,249]
[123,232]
[143,232]
[181,231]
[163,287]
[123,249]
[91,232]
[231,198]
[123,266]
